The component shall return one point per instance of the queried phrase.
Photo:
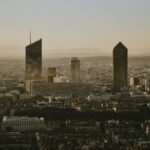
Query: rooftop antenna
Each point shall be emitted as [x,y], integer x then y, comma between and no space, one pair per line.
[30,36]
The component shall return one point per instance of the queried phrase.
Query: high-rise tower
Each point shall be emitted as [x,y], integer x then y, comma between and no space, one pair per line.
[33,63]
[75,70]
[51,73]
[120,67]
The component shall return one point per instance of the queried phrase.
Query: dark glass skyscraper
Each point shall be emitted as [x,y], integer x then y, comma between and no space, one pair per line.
[120,67]
[33,63]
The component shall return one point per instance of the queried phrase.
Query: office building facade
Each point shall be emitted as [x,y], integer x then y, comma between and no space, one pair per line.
[120,67]
[33,63]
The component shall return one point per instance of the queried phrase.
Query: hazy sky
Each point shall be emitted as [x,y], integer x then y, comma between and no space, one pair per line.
[66,26]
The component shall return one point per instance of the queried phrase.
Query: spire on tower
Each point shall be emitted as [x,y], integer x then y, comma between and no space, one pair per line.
[30,36]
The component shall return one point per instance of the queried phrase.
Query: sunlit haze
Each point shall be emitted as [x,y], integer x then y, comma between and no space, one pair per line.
[75,27]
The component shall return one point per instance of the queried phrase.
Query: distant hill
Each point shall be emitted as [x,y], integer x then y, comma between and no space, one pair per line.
[93,59]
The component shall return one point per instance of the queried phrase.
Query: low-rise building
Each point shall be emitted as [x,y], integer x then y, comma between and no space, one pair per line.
[22,124]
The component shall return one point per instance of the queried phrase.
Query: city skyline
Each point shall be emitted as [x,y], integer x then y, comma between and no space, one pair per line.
[75,75]
[74,27]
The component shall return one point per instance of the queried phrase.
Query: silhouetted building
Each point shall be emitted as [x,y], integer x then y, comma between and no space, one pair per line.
[51,73]
[75,70]
[33,63]
[16,140]
[120,67]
